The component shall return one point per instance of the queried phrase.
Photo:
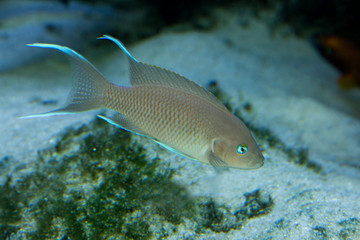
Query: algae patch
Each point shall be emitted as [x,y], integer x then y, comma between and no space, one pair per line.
[94,182]
[219,218]
[97,183]
[350,229]
[320,232]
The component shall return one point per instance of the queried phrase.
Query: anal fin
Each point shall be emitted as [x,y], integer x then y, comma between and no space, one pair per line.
[122,122]
[173,149]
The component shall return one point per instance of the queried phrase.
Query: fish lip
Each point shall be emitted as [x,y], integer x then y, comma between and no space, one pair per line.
[258,165]
[255,163]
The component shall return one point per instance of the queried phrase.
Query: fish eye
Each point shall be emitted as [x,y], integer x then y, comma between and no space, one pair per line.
[242,148]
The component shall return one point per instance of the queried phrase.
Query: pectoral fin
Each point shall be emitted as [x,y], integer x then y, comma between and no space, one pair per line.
[216,162]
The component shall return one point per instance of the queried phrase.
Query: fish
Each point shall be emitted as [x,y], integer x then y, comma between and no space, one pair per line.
[164,106]
[342,53]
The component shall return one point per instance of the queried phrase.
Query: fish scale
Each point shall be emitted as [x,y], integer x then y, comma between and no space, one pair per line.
[164,106]
[158,125]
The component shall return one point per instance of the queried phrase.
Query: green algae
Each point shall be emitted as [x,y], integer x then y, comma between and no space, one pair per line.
[96,183]
[281,224]
[350,229]
[219,218]
[257,203]
[320,232]
[9,213]
[85,187]
[265,136]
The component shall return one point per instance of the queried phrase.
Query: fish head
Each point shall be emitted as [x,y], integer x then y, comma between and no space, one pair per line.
[238,152]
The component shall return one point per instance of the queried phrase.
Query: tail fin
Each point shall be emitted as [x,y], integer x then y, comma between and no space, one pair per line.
[88,88]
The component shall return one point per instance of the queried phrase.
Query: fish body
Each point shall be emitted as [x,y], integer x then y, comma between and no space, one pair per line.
[344,55]
[166,107]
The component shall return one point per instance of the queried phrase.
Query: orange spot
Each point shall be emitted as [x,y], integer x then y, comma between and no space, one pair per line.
[344,55]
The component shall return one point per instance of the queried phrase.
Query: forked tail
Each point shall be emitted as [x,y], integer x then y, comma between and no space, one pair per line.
[89,85]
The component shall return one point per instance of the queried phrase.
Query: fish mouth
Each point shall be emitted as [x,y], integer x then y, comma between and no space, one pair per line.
[255,163]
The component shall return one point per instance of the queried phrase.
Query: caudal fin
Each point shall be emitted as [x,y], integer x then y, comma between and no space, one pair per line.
[89,86]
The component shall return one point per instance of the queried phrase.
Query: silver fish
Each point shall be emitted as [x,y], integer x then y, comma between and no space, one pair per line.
[164,106]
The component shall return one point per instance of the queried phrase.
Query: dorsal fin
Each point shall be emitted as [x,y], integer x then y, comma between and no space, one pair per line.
[145,74]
